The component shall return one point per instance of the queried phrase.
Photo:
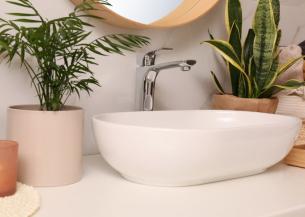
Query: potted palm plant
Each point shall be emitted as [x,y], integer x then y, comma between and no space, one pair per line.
[58,55]
[253,65]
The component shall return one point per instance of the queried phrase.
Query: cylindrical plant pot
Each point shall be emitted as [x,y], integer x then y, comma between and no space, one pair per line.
[230,102]
[8,167]
[293,106]
[50,144]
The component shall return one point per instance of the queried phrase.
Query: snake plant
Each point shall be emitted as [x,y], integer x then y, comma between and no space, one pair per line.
[253,65]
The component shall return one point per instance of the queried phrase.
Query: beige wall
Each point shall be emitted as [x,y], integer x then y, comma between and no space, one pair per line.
[175,89]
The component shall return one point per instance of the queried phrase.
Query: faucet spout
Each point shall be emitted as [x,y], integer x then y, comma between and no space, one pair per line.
[185,65]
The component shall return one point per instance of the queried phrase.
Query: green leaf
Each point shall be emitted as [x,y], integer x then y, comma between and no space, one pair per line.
[275,63]
[235,75]
[288,85]
[22,14]
[265,40]
[217,83]
[233,14]
[118,43]
[18,4]
[4,31]
[277,42]
[27,21]
[3,45]
[63,56]
[273,71]
[235,41]
[22,53]
[13,51]
[210,35]
[242,87]
[276,11]
[286,66]
[248,47]
[291,84]
[281,70]
[252,71]
[14,25]
[251,68]
[226,51]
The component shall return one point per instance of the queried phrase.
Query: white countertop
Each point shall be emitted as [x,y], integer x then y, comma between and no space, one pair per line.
[279,192]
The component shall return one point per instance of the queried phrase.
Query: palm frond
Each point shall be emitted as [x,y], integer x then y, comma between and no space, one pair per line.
[61,47]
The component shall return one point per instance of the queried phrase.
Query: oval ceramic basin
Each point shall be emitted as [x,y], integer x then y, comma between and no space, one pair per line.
[180,148]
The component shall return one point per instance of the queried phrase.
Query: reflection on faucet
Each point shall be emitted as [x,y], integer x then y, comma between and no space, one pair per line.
[151,76]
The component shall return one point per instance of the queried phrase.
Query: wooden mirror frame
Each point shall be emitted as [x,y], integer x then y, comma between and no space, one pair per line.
[186,12]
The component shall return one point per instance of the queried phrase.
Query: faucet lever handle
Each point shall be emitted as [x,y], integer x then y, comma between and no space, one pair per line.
[162,48]
[150,57]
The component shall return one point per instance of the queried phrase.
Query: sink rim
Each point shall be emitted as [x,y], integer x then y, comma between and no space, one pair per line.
[98,118]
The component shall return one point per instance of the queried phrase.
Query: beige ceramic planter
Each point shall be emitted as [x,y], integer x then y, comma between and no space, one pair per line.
[50,144]
[230,102]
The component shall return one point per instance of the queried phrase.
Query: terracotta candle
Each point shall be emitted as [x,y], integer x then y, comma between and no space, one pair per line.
[8,167]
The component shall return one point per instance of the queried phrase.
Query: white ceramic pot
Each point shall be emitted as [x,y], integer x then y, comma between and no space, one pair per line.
[50,144]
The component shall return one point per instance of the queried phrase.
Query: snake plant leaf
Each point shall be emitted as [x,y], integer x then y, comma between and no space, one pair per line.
[286,66]
[212,38]
[235,41]
[275,63]
[211,35]
[235,78]
[283,69]
[273,70]
[288,85]
[265,30]
[242,87]
[217,83]
[291,84]
[251,73]
[278,39]
[226,50]
[251,68]
[233,14]
[276,11]
[248,48]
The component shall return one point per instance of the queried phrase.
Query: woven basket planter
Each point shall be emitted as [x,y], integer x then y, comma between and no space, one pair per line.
[230,102]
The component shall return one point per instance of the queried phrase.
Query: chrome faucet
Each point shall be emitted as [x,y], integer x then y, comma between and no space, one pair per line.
[147,74]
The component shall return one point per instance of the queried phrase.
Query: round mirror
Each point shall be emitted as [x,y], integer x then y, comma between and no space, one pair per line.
[152,13]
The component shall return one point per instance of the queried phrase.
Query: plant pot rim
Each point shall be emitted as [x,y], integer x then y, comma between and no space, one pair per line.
[230,95]
[36,108]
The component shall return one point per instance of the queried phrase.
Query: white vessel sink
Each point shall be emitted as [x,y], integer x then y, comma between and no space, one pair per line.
[181,148]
